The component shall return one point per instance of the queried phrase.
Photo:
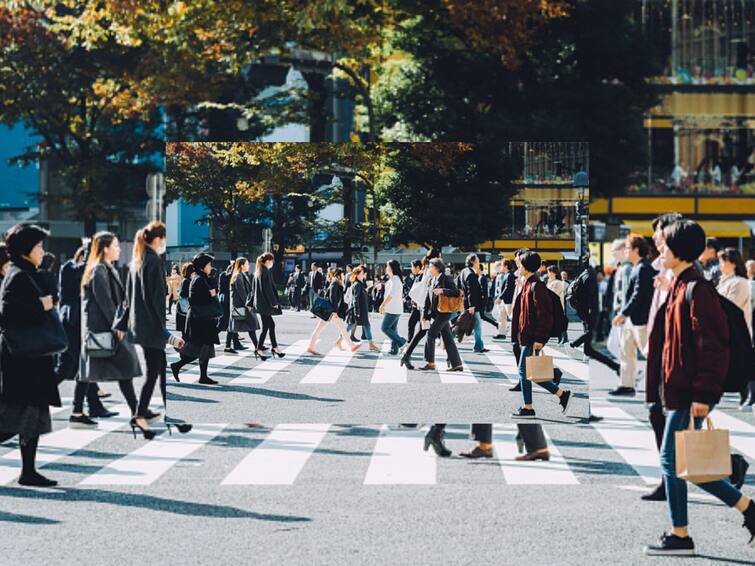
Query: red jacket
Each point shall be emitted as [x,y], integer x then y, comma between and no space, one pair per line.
[530,325]
[688,357]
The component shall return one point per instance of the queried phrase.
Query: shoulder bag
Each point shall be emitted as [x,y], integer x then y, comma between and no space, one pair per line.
[47,338]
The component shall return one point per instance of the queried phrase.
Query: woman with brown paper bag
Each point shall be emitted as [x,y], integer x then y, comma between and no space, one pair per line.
[690,389]
[531,324]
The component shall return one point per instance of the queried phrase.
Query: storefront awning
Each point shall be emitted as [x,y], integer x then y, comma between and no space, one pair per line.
[717,228]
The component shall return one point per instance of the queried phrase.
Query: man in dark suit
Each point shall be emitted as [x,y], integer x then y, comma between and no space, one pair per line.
[474,298]
[441,284]
[315,283]
[634,315]
[505,285]
[300,282]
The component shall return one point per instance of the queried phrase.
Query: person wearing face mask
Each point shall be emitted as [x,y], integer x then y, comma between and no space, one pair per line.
[201,332]
[28,386]
[266,301]
[144,319]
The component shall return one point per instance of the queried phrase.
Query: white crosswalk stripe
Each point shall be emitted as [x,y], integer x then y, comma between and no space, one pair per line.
[504,362]
[330,367]
[280,457]
[147,463]
[190,374]
[388,369]
[398,459]
[269,368]
[441,359]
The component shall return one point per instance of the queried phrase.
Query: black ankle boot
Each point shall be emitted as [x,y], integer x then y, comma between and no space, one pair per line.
[658,494]
[434,438]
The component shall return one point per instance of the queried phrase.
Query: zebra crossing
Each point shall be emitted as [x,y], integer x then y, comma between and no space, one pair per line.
[337,365]
[622,446]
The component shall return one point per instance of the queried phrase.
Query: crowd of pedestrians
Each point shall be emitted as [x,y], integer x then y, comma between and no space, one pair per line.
[82,325]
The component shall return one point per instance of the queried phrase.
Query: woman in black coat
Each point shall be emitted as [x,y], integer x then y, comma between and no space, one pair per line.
[201,332]
[266,301]
[241,302]
[103,295]
[187,270]
[27,384]
[359,309]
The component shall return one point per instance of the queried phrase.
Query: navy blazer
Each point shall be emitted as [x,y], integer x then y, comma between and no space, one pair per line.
[639,293]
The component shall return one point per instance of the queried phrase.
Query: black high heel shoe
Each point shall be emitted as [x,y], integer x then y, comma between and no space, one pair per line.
[279,354]
[174,370]
[260,356]
[183,428]
[147,433]
[406,363]
[437,444]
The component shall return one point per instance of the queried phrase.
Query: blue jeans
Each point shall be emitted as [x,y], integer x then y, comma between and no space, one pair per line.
[676,489]
[365,330]
[478,344]
[527,350]
[390,322]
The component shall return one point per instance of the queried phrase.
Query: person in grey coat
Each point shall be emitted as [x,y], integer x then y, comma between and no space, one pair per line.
[146,291]
[103,295]
[266,301]
[242,299]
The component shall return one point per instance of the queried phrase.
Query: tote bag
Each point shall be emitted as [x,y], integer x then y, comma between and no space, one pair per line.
[702,455]
[539,368]
[613,344]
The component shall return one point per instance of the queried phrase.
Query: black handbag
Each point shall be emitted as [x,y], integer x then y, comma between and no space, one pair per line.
[38,340]
[322,308]
[101,344]
[239,313]
[207,311]
[277,311]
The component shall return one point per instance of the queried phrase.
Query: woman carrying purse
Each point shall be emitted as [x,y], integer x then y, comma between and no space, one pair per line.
[106,356]
[28,384]
[359,310]
[243,318]
[201,332]
[266,301]
[335,295]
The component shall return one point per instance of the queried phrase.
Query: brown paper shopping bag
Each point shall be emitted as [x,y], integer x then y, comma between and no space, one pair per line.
[702,455]
[539,368]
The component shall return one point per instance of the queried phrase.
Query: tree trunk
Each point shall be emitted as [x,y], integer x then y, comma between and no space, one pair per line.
[90,225]
[316,107]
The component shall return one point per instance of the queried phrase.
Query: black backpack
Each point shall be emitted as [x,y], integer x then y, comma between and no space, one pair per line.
[575,294]
[741,353]
[560,322]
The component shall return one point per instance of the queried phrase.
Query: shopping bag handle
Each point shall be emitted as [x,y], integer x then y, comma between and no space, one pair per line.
[708,422]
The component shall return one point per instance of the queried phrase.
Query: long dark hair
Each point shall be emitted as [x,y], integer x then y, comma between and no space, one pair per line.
[396,269]
[143,238]
[100,242]
[261,261]
[732,255]
[237,266]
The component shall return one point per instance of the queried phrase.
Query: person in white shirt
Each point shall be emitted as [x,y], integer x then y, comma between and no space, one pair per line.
[678,176]
[392,306]
[733,283]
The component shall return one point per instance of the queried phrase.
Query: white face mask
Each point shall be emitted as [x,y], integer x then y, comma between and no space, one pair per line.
[162,249]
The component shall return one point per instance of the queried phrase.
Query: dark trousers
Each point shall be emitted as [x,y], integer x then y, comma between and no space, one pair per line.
[441,327]
[268,325]
[412,325]
[297,298]
[489,319]
[88,390]
[155,358]
[590,352]
[414,342]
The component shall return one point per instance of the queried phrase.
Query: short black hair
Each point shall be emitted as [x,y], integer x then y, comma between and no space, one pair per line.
[438,264]
[471,258]
[521,251]
[530,261]
[666,219]
[685,239]
[22,238]
[713,243]
[417,263]
[510,264]
[640,243]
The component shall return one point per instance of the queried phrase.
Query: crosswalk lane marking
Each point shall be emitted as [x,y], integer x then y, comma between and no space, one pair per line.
[741,434]
[553,472]
[388,368]
[62,443]
[151,460]
[632,439]
[190,374]
[280,457]
[441,359]
[578,369]
[265,371]
[330,367]
[504,361]
[398,459]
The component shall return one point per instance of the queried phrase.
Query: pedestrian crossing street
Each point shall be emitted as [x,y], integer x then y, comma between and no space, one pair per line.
[618,449]
[336,366]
